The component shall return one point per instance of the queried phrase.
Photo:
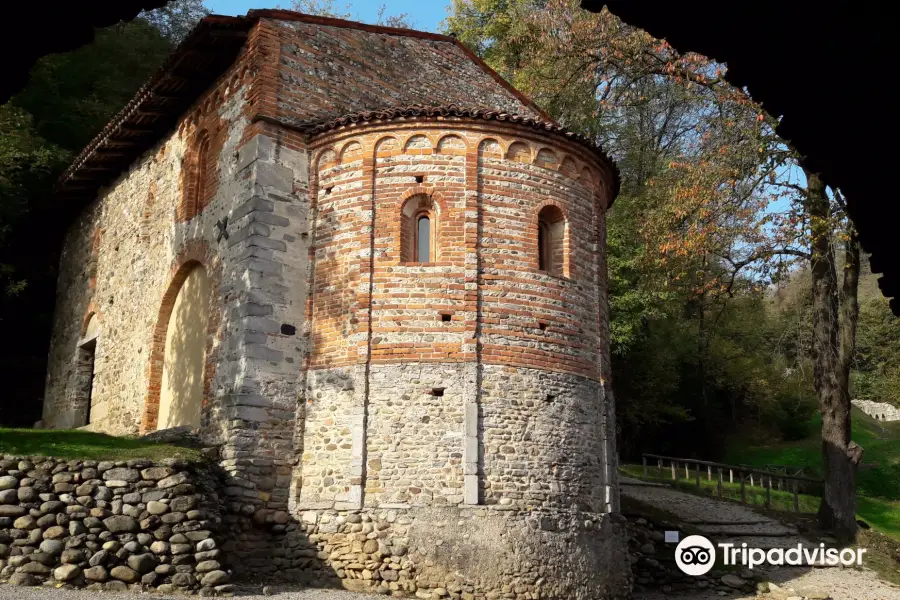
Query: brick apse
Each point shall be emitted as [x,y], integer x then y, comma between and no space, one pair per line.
[374,273]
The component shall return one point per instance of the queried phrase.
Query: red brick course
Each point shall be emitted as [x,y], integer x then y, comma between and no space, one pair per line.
[487,186]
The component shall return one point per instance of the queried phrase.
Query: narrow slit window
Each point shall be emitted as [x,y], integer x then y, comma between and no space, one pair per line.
[201,172]
[423,239]
[544,256]
[196,182]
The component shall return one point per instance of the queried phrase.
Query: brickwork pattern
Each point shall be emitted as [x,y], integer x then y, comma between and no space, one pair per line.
[119,260]
[387,334]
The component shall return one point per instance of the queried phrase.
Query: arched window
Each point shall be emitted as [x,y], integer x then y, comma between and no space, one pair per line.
[551,235]
[418,222]
[196,174]
[202,171]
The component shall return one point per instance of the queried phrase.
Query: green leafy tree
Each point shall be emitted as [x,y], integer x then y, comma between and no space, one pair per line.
[66,102]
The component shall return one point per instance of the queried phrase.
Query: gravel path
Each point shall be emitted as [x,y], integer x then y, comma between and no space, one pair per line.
[712,515]
[18,593]
[840,584]
[720,520]
[689,507]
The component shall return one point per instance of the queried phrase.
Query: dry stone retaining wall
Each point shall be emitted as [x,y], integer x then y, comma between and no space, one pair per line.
[110,525]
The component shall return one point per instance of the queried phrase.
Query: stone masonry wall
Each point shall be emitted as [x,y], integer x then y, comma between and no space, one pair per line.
[878,410]
[251,239]
[137,245]
[110,525]
[452,552]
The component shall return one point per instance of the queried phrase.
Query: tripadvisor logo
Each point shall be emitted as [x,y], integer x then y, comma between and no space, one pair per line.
[696,555]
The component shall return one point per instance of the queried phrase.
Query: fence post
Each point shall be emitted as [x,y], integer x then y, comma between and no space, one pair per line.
[743,488]
[730,475]
[674,472]
[708,473]
[644,460]
[719,484]
[751,479]
[698,475]
[687,474]
[796,498]
[769,492]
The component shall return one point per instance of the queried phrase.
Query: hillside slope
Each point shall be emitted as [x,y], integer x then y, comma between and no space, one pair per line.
[878,479]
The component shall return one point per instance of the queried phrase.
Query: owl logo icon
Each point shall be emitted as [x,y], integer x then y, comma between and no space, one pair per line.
[695,555]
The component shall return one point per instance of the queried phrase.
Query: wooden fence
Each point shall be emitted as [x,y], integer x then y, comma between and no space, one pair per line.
[785,475]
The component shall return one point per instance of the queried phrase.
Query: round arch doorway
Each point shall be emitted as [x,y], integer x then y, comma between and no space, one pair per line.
[184,356]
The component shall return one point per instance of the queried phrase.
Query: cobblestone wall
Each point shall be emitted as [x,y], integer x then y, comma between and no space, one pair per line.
[110,525]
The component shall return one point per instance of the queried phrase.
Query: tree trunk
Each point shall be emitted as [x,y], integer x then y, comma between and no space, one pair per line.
[701,339]
[840,456]
[849,306]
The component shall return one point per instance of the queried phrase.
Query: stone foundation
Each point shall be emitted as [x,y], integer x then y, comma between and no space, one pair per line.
[458,552]
[110,525]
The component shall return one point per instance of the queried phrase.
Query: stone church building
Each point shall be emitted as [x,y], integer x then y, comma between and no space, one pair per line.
[373,273]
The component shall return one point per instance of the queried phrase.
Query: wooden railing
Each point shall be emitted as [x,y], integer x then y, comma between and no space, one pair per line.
[745,474]
[784,469]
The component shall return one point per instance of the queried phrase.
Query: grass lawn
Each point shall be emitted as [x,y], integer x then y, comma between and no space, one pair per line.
[85,445]
[878,478]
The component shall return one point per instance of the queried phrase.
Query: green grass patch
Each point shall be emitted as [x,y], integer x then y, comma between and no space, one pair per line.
[74,444]
[879,472]
[883,515]
[878,477]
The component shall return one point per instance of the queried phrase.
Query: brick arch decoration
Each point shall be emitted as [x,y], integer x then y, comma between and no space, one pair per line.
[195,175]
[205,133]
[351,152]
[413,144]
[194,253]
[451,143]
[387,146]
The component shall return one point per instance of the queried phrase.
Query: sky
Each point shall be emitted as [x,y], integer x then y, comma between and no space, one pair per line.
[425,15]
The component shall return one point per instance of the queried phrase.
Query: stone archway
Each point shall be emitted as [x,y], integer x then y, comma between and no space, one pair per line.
[184,354]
